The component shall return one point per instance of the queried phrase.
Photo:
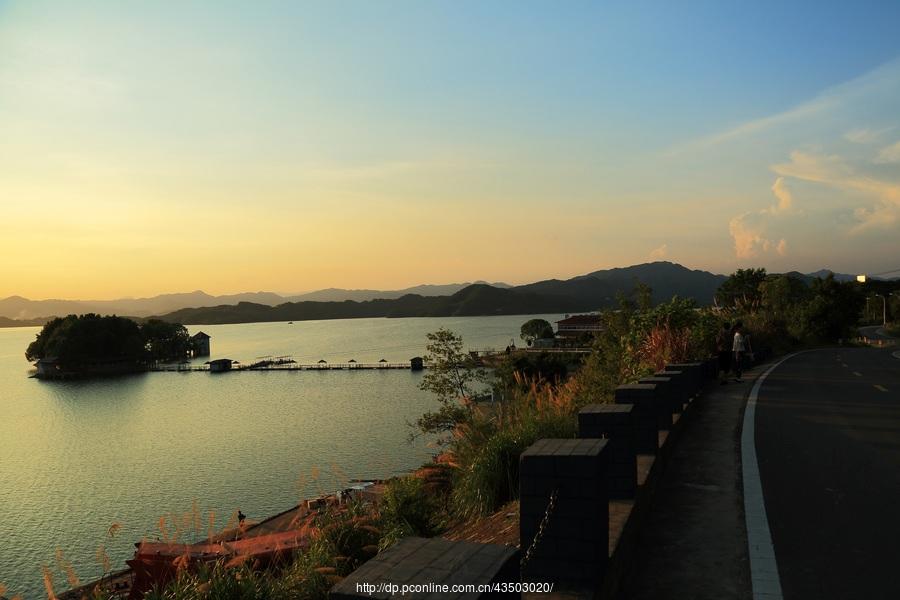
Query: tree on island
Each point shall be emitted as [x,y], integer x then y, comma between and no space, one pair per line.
[165,341]
[78,340]
[88,338]
[535,329]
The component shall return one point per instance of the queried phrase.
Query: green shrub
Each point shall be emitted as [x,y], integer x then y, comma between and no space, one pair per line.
[407,508]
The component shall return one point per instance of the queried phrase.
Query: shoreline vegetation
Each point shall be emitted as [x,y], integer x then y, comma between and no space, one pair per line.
[475,476]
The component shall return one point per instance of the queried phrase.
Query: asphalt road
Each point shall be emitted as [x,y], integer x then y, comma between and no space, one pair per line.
[875,332]
[828,446]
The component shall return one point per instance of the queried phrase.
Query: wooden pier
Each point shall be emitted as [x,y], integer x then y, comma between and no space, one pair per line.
[293,366]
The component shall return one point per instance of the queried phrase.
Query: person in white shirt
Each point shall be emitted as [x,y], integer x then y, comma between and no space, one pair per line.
[738,347]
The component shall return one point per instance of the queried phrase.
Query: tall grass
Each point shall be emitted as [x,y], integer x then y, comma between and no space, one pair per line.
[665,344]
[486,449]
[408,508]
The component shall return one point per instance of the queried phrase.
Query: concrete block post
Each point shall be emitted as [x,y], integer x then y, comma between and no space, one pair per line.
[712,368]
[694,370]
[652,413]
[573,548]
[615,423]
[678,386]
[424,564]
[666,388]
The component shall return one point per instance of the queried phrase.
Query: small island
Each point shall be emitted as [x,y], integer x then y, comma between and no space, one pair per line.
[91,345]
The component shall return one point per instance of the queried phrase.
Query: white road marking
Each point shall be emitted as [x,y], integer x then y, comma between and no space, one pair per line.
[879,387]
[764,579]
[844,365]
[857,373]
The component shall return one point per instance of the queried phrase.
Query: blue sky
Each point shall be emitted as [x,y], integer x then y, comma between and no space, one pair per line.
[502,141]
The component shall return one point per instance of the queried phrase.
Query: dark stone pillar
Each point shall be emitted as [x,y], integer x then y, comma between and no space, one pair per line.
[573,550]
[678,385]
[615,423]
[652,413]
[665,388]
[694,371]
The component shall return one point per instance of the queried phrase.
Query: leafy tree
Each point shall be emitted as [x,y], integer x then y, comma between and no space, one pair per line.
[535,329]
[782,294]
[452,376]
[519,370]
[633,342]
[614,358]
[88,338]
[894,308]
[643,295]
[52,330]
[80,339]
[834,309]
[742,290]
[165,341]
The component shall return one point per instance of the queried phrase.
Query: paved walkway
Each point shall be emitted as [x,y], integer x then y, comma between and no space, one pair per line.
[693,543]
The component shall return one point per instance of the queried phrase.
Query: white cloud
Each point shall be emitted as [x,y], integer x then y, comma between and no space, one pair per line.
[747,234]
[750,230]
[882,197]
[820,168]
[661,252]
[784,197]
[889,154]
[865,135]
[884,77]
[808,109]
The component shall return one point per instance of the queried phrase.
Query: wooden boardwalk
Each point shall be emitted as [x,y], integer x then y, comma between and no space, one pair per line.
[347,366]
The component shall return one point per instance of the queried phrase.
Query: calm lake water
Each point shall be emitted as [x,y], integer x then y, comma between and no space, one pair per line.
[77,457]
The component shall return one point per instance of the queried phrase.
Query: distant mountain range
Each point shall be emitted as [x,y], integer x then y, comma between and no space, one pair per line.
[19,308]
[7,322]
[340,295]
[583,293]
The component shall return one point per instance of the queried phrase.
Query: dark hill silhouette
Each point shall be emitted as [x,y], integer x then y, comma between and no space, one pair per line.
[340,294]
[592,291]
[585,293]
[601,287]
[17,307]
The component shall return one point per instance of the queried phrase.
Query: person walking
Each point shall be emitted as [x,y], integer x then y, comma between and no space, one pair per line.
[738,348]
[723,348]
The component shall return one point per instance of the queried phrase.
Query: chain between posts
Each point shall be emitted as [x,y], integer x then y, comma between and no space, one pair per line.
[548,513]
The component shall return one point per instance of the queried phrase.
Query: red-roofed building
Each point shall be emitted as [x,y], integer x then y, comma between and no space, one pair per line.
[575,326]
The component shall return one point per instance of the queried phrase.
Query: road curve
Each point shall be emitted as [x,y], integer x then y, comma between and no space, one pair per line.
[876,332]
[828,447]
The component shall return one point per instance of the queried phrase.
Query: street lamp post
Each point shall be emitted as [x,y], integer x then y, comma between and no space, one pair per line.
[893,316]
[883,308]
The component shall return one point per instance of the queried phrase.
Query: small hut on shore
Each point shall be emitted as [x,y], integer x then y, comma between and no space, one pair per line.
[220,365]
[200,344]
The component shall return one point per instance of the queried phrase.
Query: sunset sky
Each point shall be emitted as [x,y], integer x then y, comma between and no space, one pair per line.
[150,147]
